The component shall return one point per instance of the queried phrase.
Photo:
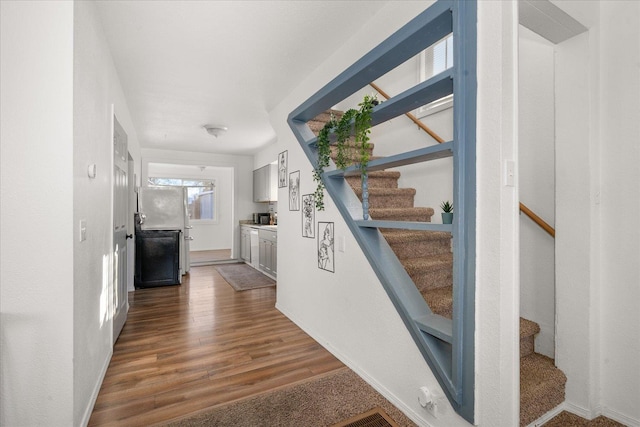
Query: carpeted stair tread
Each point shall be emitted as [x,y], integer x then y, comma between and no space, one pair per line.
[528,329]
[541,387]
[388,197]
[405,214]
[440,300]
[428,263]
[318,122]
[431,272]
[416,244]
[376,179]
[405,236]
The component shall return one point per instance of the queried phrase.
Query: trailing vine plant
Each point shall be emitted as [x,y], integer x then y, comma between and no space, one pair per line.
[360,121]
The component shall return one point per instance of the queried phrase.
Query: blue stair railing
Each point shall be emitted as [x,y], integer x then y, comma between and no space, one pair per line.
[446,344]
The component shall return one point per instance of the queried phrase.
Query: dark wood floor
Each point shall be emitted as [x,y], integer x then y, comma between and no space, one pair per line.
[186,348]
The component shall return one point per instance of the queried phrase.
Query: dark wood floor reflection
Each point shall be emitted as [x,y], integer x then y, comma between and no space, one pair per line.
[185,348]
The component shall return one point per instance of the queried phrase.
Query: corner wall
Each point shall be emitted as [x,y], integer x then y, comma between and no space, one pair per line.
[620,210]
[36,249]
[598,280]
[97,95]
[536,145]
[242,180]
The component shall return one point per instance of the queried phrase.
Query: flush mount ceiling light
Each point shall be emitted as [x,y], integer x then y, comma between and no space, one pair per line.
[215,130]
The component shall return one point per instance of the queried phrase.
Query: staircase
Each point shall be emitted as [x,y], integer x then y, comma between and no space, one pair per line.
[427,258]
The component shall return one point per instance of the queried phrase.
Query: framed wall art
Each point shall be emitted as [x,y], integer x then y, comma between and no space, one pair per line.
[294,191]
[308,216]
[282,169]
[325,246]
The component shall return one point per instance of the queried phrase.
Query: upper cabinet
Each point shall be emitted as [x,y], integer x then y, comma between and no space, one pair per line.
[265,184]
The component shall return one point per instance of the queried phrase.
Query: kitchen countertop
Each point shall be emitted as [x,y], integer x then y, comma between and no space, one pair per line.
[260,226]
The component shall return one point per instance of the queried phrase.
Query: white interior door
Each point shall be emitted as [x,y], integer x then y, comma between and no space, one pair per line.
[120,223]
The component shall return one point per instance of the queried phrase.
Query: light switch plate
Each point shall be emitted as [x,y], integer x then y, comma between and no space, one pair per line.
[509,173]
[83,230]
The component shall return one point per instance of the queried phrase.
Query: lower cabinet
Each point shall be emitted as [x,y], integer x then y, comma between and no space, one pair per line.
[268,252]
[157,258]
[245,243]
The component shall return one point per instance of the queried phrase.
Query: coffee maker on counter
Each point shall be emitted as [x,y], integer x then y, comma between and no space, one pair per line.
[261,218]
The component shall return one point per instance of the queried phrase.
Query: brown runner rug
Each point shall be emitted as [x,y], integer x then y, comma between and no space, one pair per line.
[241,277]
[322,401]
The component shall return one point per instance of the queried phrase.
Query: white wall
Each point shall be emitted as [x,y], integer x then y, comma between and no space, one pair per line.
[597,258]
[497,223]
[620,209]
[37,291]
[207,234]
[56,306]
[348,311]
[242,166]
[536,147]
[97,94]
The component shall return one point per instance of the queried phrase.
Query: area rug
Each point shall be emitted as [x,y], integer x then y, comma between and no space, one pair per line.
[321,401]
[241,277]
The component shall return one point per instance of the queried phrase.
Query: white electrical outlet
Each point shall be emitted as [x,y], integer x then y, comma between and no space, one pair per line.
[341,243]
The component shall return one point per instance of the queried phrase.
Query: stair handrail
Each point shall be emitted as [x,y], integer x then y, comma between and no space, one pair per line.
[413,118]
[535,218]
[523,208]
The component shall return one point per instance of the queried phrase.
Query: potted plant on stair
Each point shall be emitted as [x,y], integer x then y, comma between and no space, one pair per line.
[447,212]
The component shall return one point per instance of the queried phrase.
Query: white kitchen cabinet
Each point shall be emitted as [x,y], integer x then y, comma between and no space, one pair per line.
[245,243]
[265,184]
[268,248]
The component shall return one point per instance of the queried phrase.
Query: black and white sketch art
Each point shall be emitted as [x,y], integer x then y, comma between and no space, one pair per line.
[282,169]
[308,216]
[325,246]
[294,191]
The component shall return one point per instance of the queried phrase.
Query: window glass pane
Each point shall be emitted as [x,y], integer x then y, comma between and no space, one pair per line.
[437,58]
[201,196]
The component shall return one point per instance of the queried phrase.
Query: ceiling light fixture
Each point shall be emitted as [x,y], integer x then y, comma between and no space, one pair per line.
[215,130]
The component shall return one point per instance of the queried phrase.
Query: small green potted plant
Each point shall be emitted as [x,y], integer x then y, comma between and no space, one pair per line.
[447,212]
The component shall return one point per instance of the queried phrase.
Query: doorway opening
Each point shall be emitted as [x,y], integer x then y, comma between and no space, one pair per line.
[210,204]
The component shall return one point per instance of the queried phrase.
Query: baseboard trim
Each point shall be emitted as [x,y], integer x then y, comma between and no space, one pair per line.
[386,393]
[586,414]
[546,417]
[621,418]
[96,390]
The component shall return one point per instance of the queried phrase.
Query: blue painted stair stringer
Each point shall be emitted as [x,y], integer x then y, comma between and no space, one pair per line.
[448,346]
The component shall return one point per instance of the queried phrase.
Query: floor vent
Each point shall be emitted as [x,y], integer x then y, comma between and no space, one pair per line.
[374,418]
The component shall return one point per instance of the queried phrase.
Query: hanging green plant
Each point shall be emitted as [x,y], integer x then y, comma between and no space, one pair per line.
[360,121]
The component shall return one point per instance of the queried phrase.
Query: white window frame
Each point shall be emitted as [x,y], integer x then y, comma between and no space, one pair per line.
[426,71]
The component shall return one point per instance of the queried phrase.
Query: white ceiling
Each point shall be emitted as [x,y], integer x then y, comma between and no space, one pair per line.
[184,64]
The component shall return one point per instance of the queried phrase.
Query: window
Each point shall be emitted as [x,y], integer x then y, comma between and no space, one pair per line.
[433,60]
[201,195]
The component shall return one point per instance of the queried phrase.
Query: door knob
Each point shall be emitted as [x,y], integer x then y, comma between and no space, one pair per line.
[129,236]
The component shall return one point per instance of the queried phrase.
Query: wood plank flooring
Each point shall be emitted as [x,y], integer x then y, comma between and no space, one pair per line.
[189,347]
